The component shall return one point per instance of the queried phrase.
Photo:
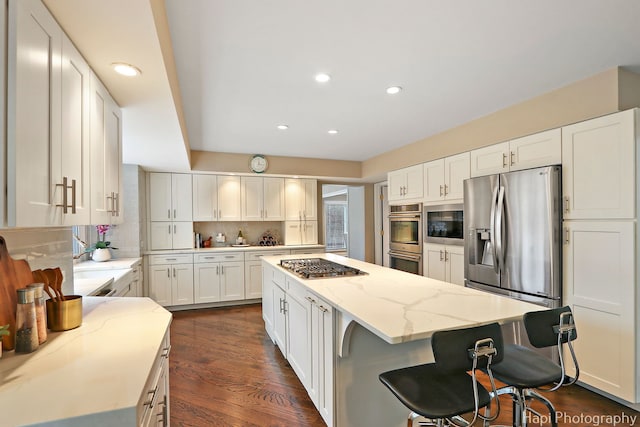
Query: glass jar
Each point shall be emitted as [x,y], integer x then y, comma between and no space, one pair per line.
[26,323]
[41,310]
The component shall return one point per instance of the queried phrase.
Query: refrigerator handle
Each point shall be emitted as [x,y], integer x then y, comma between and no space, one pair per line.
[499,219]
[492,231]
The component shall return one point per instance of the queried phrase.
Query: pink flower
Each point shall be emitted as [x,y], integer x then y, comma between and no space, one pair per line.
[102,229]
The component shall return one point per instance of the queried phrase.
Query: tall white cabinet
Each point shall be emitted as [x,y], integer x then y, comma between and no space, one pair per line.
[600,169]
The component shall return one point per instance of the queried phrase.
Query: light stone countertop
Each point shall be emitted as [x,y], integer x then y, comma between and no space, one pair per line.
[97,370]
[400,307]
[112,264]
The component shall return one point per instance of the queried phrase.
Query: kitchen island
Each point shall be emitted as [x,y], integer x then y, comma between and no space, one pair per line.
[102,373]
[339,333]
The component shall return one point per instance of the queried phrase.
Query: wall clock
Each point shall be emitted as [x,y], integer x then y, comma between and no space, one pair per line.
[258,163]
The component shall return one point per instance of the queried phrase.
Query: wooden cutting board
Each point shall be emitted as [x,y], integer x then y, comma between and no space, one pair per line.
[14,274]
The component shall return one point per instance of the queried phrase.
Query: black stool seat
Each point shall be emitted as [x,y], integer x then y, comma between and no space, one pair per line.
[429,391]
[524,368]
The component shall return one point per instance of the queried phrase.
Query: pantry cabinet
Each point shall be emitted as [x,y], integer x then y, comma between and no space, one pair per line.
[406,184]
[170,206]
[47,122]
[219,277]
[262,199]
[599,285]
[540,149]
[301,202]
[444,178]
[170,197]
[599,167]
[444,262]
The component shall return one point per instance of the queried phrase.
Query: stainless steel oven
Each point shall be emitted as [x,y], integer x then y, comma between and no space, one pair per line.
[405,228]
[405,238]
[406,261]
[444,224]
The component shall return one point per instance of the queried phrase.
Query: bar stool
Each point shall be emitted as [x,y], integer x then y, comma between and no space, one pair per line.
[525,371]
[443,391]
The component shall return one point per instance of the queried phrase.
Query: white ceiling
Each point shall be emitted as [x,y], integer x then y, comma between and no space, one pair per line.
[245,66]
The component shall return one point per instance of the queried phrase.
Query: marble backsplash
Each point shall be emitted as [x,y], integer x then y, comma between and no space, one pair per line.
[252,231]
[43,248]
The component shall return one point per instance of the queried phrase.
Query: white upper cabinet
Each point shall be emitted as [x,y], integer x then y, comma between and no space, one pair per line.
[229,198]
[170,197]
[301,199]
[406,184]
[106,156]
[598,169]
[47,122]
[205,198]
[262,198]
[540,149]
[444,178]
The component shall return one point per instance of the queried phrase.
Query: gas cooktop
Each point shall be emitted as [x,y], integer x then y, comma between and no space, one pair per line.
[317,268]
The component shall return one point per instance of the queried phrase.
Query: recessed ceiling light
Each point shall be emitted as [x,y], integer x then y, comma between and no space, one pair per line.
[332,131]
[393,90]
[282,127]
[322,77]
[126,69]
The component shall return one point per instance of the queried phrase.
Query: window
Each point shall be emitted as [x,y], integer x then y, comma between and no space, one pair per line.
[336,224]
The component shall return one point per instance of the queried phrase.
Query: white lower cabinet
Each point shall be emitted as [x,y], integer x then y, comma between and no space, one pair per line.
[171,279]
[253,272]
[219,277]
[153,407]
[302,326]
[444,262]
[600,287]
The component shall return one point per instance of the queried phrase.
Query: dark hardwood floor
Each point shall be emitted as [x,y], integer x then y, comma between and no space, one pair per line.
[225,371]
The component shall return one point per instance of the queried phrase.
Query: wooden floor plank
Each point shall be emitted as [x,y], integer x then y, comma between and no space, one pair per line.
[225,371]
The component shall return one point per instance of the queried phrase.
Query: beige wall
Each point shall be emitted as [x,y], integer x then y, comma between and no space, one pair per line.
[610,91]
[278,165]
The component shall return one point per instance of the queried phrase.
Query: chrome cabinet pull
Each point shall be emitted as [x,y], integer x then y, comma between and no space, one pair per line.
[446,189]
[504,160]
[174,229]
[566,235]
[566,204]
[174,272]
[441,256]
[446,256]
[168,213]
[168,273]
[174,214]
[169,228]
[73,196]
[117,202]
[65,196]
[512,156]
[441,191]
[222,270]
[64,205]
[217,270]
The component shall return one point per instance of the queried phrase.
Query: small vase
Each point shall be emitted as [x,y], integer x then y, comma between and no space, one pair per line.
[101,254]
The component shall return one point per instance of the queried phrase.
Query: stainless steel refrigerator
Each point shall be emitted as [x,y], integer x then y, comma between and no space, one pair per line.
[513,232]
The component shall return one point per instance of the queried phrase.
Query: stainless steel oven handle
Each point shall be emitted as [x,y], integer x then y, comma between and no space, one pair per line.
[405,256]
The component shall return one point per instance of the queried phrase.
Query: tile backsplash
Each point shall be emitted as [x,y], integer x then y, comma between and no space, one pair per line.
[43,248]
[252,231]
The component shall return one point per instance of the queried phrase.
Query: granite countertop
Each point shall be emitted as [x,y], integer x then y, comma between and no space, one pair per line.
[400,307]
[98,369]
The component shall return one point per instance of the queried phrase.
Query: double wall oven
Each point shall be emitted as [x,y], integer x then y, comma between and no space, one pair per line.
[405,238]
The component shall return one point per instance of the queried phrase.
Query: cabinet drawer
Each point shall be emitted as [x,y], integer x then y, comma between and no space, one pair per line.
[170,259]
[277,277]
[296,289]
[219,257]
[256,256]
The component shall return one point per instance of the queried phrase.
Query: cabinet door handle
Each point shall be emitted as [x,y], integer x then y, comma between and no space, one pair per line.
[174,272]
[446,256]
[174,214]
[174,229]
[117,201]
[64,204]
[215,214]
[222,270]
[441,191]
[446,189]
[280,305]
[169,228]
[209,257]
[229,256]
[512,158]
[566,204]
[323,308]
[168,213]
[217,270]
[504,160]
[566,235]
[166,351]
[171,259]
[168,272]
[284,306]
[441,256]
[73,196]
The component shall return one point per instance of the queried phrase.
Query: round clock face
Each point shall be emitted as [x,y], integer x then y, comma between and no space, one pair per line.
[258,163]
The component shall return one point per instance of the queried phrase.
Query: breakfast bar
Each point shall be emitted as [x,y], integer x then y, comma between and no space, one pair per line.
[380,320]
